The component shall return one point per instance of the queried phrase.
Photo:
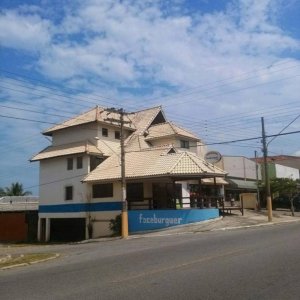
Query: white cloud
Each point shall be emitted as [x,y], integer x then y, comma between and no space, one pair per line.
[136,45]
[25,32]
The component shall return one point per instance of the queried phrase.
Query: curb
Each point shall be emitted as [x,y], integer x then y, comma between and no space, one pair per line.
[56,255]
[254,225]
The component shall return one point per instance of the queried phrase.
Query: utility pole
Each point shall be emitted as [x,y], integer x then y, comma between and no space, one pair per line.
[124,215]
[267,181]
[257,181]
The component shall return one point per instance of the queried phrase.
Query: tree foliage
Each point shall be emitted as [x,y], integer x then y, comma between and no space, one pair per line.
[16,189]
[284,186]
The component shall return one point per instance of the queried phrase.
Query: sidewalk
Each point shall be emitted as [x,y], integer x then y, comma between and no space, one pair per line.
[251,218]
[235,220]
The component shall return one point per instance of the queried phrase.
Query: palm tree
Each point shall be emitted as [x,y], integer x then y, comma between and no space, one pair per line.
[16,189]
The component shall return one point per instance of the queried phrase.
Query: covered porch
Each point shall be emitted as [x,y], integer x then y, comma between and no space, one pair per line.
[163,187]
[175,193]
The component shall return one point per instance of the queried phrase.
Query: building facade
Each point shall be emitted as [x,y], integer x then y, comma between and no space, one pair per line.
[80,172]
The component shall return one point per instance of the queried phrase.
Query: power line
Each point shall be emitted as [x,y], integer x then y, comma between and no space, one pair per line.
[254,138]
[227,80]
[30,120]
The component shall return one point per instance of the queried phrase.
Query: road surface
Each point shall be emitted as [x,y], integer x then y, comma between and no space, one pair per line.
[260,263]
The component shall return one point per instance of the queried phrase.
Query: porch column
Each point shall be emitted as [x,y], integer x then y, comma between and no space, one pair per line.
[200,200]
[47,235]
[39,230]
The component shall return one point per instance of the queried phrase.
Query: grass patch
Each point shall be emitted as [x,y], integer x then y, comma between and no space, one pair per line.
[25,259]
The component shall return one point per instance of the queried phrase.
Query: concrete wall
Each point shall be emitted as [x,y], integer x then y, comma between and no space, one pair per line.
[286,172]
[176,143]
[85,132]
[54,177]
[239,166]
[71,135]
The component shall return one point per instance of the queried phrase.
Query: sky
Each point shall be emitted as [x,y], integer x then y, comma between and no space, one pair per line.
[217,68]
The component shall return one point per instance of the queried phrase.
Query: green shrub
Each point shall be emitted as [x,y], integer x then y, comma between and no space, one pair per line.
[115,225]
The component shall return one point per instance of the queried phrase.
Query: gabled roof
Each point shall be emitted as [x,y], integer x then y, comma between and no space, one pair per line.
[63,150]
[155,162]
[97,114]
[143,119]
[168,129]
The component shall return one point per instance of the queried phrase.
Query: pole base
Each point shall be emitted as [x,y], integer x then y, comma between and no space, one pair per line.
[124,224]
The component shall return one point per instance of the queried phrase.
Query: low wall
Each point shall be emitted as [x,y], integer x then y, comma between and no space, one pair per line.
[145,220]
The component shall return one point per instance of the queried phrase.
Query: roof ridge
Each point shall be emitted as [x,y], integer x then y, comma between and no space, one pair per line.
[193,156]
[178,161]
[154,107]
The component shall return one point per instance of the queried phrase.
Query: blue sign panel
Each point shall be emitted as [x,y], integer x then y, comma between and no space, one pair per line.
[144,220]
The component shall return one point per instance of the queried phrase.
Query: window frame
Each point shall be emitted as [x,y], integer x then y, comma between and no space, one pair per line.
[70,163]
[135,191]
[69,189]
[104,190]
[79,162]
[184,144]
[104,131]
[117,135]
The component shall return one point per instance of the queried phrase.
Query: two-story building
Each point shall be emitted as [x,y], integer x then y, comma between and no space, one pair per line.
[80,172]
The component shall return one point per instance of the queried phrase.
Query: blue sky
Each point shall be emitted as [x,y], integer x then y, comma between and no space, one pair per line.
[216,67]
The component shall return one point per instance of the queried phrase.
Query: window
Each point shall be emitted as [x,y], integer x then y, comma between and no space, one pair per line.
[70,163]
[104,132]
[69,192]
[79,161]
[117,135]
[135,191]
[103,190]
[184,144]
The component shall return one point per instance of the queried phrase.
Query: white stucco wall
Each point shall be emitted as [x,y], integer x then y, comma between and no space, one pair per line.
[54,177]
[75,134]
[239,166]
[176,143]
[286,172]
[85,132]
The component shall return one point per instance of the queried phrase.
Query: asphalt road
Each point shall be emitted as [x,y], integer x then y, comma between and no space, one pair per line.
[260,263]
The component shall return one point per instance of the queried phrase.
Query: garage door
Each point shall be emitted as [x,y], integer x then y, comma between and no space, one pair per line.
[67,230]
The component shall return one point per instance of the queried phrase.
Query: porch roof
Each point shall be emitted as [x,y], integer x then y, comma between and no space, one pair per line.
[154,163]
[242,184]
[63,150]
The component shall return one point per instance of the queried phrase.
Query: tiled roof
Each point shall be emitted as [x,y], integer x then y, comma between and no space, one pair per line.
[97,114]
[143,119]
[108,147]
[154,163]
[62,150]
[168,129]
[135,143]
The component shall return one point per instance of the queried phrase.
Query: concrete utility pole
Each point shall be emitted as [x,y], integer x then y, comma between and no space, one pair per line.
[267,181]
[121,121]
[257,181]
